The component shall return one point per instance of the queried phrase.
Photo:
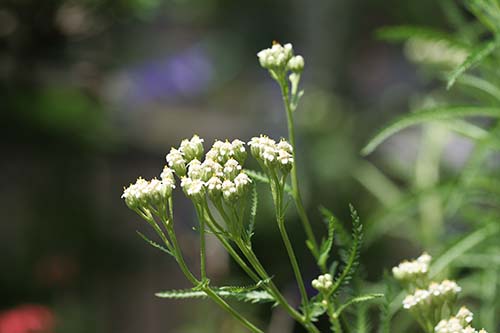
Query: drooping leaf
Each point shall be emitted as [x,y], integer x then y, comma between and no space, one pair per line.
[261,177]
[472,60]
[357,299]
[154,244]
[426,115]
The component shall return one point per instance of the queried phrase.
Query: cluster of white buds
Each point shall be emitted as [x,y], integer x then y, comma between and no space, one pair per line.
[272,154]
[323,283]
[436,294]
[458,324]
[412,271]
[280,57]
[153,192]
[189,150]
[219,175]
[222,151]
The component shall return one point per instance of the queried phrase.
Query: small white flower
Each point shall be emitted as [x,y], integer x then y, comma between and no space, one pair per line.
[195,169]
[465,315]
[194,188]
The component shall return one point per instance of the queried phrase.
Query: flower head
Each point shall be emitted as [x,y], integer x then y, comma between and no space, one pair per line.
[323,282]
[270,154]
[296,64]
[411,271]
[276,57]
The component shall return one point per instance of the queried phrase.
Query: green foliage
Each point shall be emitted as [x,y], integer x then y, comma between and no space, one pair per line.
[478,55]
[154,244]
[249,295]
[428,115]
[352,261]
[356,300]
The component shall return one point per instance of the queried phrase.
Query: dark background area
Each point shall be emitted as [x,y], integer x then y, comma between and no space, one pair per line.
[94,93]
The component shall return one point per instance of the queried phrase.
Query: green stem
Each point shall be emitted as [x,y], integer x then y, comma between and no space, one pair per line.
[288,245]
[210,293]
[222,303]
[203,250]
[334,320]
[293,173]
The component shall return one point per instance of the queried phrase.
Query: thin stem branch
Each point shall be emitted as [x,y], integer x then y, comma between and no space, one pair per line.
[293,173]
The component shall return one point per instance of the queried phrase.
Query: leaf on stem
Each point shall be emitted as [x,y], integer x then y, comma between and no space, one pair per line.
[262,178]
[472,60]
[253,212]
[355,300]
[427,115]
[326,244]
[352,261]
[154,244]
[245,294]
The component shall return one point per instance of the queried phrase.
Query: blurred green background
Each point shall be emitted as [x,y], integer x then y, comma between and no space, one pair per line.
[94,93]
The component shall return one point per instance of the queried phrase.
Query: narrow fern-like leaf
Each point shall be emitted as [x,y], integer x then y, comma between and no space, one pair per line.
[326,245]
[353,259]
[343,235]
[427,115]
[253,212]
[250,296]
[357,299]
[472,60]
[154,244]
[404,32]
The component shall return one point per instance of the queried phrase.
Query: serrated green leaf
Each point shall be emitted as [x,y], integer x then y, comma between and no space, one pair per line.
[352,261]
[253,212]
[243,294]
[357,299]
[472,60]
[426,115]
[154,244]
[326,245]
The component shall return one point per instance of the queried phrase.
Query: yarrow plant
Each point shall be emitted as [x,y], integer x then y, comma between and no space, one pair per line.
[224,196]
[432,304]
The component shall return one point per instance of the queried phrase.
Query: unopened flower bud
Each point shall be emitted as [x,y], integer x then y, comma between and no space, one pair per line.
[296,64]
[192,149]
[214,188]
[231,169]
[176,161]
[210,169]
[194,189]
[323,283]
[229,191]
[195,170]
[242,182]
[239,151]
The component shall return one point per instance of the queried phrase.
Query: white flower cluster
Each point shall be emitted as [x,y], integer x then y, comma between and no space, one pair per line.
[221,173]
[152,192]
[189,150]
[437,293]
[323,282]
[458,324]
[411,271]
[272,154]
[280,57]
